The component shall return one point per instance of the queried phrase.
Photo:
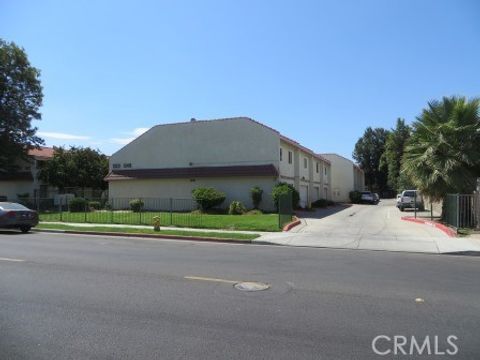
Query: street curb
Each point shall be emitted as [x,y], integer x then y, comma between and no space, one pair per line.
[447,230]
[148,236]
[291,225]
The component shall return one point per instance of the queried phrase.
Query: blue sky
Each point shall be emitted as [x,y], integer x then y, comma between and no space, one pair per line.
[319,72]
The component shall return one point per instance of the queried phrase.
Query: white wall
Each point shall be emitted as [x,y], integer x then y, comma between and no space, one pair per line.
[10,189]
[234,188]
[342,181]
[304,171]
[236,141]
[287,169]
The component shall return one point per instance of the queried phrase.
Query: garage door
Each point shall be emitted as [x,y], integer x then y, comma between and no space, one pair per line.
[303,196]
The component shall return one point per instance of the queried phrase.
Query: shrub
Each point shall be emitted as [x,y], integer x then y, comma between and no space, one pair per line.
[355,197]
[208,198]
[94,205]
[23,196]
[136,205]
[236,208]
[284,188]
[256,194]
[320,203]
[78,204]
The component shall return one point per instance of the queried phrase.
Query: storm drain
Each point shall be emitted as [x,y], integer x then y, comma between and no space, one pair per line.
[251,286]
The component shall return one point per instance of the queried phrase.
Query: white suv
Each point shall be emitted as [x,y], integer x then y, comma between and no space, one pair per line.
[411,199]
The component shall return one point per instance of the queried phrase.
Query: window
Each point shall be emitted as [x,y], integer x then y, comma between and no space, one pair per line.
[127,165]
[317,167]
[325,172]
[281,154]
[305,163]
[116,166]
[290,155]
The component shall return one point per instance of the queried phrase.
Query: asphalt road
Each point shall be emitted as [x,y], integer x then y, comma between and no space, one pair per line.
[79,297]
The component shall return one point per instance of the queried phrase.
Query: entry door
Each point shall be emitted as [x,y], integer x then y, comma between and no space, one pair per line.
[303,196]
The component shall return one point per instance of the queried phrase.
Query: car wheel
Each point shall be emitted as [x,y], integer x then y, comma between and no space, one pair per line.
[25,229]
[401,208]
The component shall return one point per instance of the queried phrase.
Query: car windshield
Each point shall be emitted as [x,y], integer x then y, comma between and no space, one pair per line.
[410,193]
[12,206]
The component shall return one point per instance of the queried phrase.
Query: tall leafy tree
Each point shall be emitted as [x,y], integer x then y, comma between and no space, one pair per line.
[20,99]
[368,152]
[391,160]
[443,153]
[76,168]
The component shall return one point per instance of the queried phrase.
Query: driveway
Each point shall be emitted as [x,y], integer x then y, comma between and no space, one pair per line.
[369,227]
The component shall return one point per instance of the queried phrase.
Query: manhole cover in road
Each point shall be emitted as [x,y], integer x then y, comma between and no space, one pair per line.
[251,286]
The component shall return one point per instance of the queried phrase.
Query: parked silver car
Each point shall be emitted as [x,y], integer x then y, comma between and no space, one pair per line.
[368,197]
[17,216]
[411,199]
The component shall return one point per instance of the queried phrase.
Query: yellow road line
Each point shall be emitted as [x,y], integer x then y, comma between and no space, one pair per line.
[13,260]
[201,278]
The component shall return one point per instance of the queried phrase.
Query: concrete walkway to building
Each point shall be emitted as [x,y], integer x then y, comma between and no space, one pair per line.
[369,227]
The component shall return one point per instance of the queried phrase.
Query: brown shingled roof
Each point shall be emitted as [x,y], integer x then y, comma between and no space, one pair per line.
[193,172]
[43,152]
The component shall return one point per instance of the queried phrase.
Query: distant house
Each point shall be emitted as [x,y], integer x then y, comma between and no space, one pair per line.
[25,180]
[231,155]
[346,177]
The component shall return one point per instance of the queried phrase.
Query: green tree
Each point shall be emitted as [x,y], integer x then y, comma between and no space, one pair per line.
[282,189]
[256,194]
[391,160]
[367,153]
[208,197]
[443,153]
[20,99]
[76,167]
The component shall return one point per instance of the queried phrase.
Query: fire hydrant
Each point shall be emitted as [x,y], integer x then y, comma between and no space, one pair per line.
[156,223]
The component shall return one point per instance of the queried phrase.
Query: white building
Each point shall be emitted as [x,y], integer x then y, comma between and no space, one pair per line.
[231,155]
[24,181]
[346,177]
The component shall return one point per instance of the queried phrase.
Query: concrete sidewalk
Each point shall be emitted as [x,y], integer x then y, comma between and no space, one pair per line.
[90,225]
[375,242]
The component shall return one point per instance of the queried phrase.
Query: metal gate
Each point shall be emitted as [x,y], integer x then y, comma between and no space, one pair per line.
[285,209]
[463,210]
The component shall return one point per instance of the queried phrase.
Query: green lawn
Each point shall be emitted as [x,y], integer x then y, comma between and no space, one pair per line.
[213,235]
[262,222]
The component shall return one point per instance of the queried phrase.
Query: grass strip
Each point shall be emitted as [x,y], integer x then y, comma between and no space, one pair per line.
[213,235]
[260,222]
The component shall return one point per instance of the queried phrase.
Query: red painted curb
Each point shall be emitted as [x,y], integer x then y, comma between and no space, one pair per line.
[447,230]
[149,236]
[291,225]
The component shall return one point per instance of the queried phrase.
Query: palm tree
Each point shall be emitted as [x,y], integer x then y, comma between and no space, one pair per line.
[443,153]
